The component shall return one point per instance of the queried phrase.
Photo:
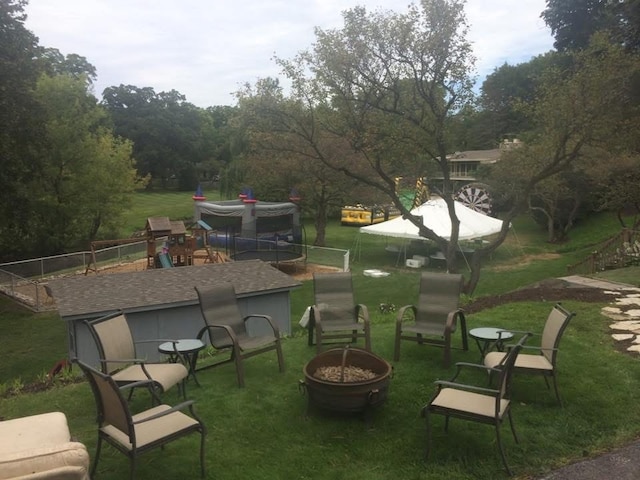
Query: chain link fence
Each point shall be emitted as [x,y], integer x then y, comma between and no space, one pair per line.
[27,281]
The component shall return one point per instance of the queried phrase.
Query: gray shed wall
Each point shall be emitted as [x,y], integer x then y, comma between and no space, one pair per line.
[180,322]
[162,303]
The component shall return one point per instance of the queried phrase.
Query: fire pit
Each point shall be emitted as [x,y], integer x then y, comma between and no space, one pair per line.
[346,380]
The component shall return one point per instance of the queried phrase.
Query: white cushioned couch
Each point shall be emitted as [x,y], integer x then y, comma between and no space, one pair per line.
[40,447]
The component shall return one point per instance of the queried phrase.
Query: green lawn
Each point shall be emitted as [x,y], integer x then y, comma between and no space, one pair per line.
[262,431]
[175,205]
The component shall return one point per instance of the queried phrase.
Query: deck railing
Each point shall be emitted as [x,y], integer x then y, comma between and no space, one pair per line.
[619,251]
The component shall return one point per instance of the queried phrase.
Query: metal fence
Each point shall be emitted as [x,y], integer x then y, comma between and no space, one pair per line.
[621,250]
[27,280]
[30,293]
[74,263]
[332,257]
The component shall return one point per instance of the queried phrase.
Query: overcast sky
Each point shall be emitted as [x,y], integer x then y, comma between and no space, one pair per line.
[206,49]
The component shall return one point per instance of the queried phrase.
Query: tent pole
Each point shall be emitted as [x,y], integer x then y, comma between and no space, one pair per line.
[464,256]
[356,247]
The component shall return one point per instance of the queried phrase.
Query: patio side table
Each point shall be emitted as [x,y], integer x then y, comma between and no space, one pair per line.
[488,338]
[189,348]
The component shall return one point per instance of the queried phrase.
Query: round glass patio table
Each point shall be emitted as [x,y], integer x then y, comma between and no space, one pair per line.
[188,348]
[488,338]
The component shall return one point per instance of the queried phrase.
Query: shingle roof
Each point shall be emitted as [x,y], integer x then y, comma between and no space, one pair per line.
[163,287]
[177,227]
[158,224]
[481,156]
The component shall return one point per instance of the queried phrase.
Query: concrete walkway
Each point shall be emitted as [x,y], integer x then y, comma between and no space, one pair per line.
[622,463]
[619,464]
[597,283]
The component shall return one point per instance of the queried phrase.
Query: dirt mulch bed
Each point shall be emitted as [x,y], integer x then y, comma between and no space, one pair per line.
[547,291]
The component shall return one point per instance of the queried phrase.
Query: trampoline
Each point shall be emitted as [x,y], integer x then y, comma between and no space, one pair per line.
[271,251]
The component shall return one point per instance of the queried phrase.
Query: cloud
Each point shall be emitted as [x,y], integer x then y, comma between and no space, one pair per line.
[206,49]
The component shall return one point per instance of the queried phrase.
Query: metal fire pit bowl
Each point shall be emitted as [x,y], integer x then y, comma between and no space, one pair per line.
[339,396]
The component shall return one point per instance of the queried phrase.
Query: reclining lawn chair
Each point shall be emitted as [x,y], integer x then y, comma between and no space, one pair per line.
[335,315]
[227,329]
[135,434]
[544,358]
[476,404]
[436,314]
[117,352]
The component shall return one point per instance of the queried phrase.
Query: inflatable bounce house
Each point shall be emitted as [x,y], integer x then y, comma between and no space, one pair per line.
[250,229]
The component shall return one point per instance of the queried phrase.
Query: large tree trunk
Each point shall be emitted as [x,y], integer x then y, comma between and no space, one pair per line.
[321,225]
[475,263]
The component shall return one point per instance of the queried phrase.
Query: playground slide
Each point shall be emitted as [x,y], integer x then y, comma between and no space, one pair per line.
[165,260]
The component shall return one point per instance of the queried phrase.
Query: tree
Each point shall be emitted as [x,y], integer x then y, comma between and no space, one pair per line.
[219,139]
[559,201]
[584,121]
[165,129]
[87,174]
[616,189]
[573,22]
[20,127]
[55,63]
[277,161]
[508,87]
[384,88]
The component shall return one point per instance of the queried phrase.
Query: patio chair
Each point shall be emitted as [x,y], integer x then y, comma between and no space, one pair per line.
[117,352]
[226,329]
[134,435]
[436,314]
[335,315]
[543,360]
[476,404]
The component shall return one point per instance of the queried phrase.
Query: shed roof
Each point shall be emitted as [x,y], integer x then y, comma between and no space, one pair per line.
[94,296]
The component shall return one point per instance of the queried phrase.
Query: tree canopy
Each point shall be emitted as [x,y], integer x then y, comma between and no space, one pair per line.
[63,173]
[573,22]
[374,99]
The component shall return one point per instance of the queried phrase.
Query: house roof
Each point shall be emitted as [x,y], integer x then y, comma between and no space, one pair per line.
[153,289]
[480,156]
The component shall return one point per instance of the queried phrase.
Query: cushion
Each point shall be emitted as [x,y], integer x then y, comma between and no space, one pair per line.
[68,460]
[40,447]
[36,430]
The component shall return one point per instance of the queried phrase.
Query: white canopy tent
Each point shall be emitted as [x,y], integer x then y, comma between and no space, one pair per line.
[435,215]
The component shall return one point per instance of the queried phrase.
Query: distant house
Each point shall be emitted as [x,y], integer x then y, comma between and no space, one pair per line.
[162,303]
[463,171]
[463,166]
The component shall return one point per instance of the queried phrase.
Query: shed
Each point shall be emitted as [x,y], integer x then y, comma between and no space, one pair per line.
[162,303]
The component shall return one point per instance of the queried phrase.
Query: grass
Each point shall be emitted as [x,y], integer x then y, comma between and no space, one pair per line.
[262,431]
[175,205]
